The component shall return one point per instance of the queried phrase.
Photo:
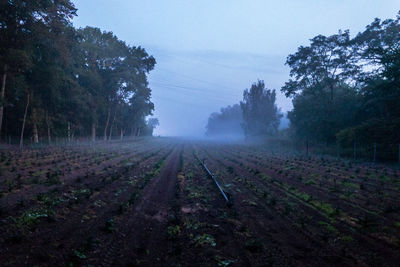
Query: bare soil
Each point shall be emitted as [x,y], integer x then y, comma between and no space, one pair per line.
[148,202]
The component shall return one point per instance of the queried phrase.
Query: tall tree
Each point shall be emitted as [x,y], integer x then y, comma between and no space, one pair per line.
[76,81]
[113,73]
[260,113]
[18,21]
[227,122]
[326,62]
[151,124]
[319,73]
[377,51]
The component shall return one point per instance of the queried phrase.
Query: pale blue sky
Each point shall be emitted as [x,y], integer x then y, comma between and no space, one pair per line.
[209,51]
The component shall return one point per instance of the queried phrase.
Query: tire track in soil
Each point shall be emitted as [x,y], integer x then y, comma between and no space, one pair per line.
[142,232]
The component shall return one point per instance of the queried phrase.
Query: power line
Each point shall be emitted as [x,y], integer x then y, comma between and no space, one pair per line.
[191,90]
[194,79]
[213,63]
[166,83]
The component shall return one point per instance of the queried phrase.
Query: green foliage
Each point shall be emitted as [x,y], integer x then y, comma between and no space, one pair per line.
[260,113]
[173,231]
[109,226]
[348,90]
[222,262]
[329,227]
[305,197]
[79,255]
[75,78]
[326,208]
[31,217]
[347,239]
[385,133]
[204,239]
[318,117]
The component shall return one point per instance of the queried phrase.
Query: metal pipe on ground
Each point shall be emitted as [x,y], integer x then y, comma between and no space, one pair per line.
[224,194]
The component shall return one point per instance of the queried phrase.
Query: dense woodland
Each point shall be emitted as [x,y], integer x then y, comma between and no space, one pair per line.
[345,91]
[62,82]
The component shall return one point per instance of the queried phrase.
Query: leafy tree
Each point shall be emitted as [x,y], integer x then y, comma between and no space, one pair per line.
[378,52]
[317,117]
[321,74]
[20,21]
[102,52]
[348,90]
[260,113]
[227,122]
[378,47]
[66,82]
[115,73]
[151,124]
[326,62]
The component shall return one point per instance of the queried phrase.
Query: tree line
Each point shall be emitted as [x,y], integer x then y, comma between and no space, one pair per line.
[345,91]
[59,81]
[255,116]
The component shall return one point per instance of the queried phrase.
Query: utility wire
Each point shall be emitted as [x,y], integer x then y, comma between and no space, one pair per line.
[192,90]
[194,79]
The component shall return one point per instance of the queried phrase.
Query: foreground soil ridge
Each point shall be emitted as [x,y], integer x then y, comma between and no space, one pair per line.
[149,202]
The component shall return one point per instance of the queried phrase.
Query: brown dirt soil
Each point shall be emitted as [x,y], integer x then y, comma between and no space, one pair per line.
[149,202]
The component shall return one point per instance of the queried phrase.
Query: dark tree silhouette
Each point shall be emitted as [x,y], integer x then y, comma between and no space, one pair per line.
[260,113]
[60,81]
[225,123]
[348,90]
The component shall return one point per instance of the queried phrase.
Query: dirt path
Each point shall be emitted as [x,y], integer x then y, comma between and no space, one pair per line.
[141,233]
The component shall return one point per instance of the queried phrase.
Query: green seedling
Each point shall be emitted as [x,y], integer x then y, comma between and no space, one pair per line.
[224,262]
[173,232]
[346,239]
[253,246]
[110,226]
[79,255]
[30,218]
[205,239]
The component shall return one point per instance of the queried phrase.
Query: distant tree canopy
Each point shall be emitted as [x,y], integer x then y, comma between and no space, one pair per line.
[226,122]
[256,115]
[66,82]
[151,124]
[348,90]
[260,113]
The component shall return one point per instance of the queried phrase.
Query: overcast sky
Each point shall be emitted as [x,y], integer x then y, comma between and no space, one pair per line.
[209,51]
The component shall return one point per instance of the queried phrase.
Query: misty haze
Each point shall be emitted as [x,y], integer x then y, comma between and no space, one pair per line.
[199,133]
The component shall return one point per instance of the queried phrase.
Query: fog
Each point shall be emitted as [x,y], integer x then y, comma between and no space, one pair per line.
[208,52]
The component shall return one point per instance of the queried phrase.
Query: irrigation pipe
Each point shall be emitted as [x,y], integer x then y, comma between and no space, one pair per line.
[225,195]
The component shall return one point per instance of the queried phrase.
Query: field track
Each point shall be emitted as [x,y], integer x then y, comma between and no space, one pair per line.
[148,202]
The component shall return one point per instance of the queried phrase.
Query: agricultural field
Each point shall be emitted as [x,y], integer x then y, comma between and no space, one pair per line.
[150,202]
